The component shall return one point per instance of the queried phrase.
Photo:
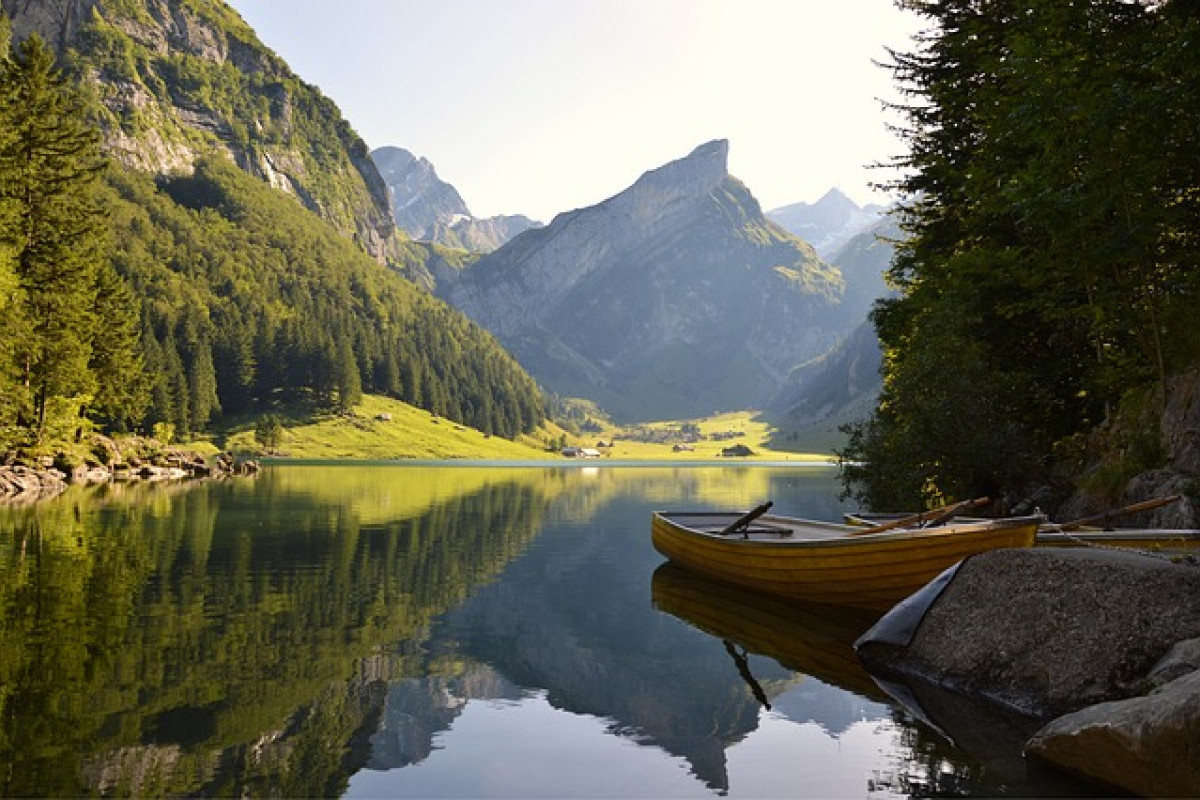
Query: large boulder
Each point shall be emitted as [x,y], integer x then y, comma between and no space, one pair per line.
[1108,639]
[1046,631]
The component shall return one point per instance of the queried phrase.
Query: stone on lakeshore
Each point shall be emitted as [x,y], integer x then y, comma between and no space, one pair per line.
[1046,631]
[1149,745]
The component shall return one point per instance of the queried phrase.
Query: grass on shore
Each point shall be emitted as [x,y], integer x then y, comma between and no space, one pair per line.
[383,429]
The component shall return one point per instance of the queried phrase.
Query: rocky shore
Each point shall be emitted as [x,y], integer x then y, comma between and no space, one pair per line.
[1092,655]
[24,481]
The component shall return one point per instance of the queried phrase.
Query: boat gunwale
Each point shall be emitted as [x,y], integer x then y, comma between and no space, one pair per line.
[850,533]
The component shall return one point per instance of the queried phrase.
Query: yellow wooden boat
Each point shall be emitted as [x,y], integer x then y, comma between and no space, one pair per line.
[1094,531]
[1156,540]
[1050,534]
[825,562]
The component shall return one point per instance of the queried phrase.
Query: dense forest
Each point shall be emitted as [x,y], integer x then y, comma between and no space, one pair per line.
[134,303]
[1048,282]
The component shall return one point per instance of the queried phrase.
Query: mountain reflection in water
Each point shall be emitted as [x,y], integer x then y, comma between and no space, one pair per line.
[426,630]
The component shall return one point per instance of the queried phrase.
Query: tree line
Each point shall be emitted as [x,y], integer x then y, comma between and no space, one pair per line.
[129,302]
[1048,277]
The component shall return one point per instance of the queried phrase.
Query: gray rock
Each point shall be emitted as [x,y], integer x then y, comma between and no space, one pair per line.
[1047,631]
[1148,745]
[1182,659]
[1181,423]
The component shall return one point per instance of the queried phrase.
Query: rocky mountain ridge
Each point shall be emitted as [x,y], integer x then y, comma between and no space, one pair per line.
[430,209]
[842,385]
[674,298]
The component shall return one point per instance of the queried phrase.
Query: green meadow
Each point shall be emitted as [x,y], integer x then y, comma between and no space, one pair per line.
[379,428]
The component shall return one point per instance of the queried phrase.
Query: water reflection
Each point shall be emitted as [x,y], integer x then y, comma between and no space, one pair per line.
[453,631]
[809,639]
[207,641]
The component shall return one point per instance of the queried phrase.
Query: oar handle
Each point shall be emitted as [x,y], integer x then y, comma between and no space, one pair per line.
[1145,505]
[744,520]
[945,512]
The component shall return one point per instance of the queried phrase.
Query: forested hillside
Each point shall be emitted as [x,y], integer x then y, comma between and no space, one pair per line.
[247,304]
[1049,280]
[136,301]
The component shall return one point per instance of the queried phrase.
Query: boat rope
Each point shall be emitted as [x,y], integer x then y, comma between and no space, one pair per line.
[1186,559]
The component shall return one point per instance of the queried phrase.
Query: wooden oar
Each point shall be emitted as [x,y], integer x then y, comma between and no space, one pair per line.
[941,514]
[743,522]
[1145,505]
[950,512]
[743,668]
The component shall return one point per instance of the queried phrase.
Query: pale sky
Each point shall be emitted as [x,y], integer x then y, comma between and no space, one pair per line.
[540,106]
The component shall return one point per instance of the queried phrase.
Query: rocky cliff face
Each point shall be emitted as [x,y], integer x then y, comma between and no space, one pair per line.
[674,298]
[431,210]
[482,235]
[178,81]
[1151,453]
[56,21]
[420,199]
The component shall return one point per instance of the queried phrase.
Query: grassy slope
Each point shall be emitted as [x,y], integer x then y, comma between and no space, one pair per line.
[412,433]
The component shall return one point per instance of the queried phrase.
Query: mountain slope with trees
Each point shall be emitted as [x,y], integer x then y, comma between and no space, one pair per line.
[141,300]
[248,304]
[1049,279]
[175,81]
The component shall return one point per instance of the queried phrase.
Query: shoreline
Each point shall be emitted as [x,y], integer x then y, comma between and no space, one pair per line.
[569,463]
[26,484]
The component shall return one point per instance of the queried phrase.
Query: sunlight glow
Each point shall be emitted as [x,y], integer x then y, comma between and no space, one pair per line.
[538,106]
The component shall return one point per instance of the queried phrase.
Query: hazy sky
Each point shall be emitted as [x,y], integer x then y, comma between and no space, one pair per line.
[540,106]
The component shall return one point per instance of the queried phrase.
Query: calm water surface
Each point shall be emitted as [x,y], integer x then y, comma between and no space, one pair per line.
[444,631]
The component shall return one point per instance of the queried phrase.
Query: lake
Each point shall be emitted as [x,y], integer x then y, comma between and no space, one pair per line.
[444,631]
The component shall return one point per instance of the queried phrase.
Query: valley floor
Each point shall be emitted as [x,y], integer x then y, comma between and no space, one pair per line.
[382,429]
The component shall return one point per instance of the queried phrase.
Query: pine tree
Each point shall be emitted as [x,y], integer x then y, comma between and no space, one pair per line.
[349,381]
[122,385]
[12,307]
[50,161]
[1050,264]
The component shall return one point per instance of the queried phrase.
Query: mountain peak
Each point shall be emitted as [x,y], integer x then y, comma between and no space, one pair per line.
[671,299]
[828,223]
[835,198]
[697,172]
[420,199]
[717,149]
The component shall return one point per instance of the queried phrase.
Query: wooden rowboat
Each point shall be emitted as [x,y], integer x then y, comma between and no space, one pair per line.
[1155,540]
[1050,534]
[825,562]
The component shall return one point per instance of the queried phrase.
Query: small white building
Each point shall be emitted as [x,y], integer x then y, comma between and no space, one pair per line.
[579,452]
